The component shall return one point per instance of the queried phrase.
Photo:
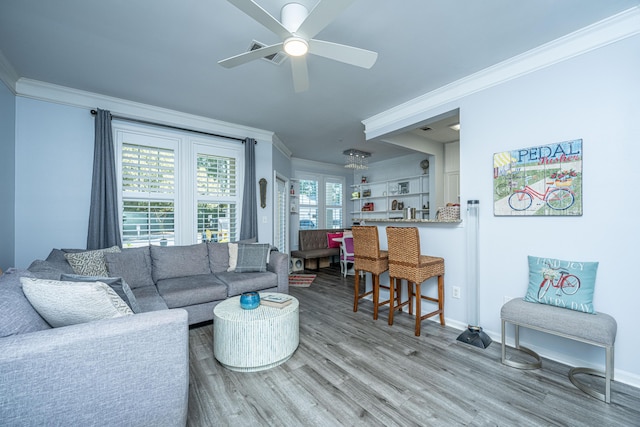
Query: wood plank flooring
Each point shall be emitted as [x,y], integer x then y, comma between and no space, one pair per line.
[350,370]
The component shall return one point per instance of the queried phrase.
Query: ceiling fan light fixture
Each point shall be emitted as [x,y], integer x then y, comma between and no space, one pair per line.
[296,46]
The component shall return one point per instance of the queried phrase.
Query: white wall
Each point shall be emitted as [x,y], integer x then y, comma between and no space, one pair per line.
[593,96]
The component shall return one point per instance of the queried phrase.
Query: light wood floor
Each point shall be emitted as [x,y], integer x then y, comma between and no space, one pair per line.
[350,370]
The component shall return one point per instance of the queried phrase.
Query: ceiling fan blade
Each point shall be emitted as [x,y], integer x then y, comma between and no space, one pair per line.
[322,14]
[343,53]
[263,17]
[300,73]
[245,57]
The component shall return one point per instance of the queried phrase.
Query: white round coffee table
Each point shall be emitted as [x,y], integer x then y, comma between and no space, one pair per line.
[254,340]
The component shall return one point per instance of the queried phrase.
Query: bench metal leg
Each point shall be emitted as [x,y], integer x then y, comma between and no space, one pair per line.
[607,375]
[519,365]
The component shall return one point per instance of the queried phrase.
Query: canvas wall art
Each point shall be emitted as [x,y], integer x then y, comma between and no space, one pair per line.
[539,181]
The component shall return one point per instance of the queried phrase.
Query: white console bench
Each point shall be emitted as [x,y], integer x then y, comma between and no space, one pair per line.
[596,329]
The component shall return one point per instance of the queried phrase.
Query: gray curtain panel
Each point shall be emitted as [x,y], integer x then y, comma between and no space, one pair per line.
[249,227]
[104,229]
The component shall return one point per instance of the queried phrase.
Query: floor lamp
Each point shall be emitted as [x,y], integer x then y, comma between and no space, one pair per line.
[474,334]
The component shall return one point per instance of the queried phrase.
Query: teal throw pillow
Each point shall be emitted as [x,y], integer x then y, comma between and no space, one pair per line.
[566,284]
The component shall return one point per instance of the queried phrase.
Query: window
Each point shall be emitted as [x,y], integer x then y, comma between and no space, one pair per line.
[148,195]
[308,204]
[217,193]
[333,202]
[176,189]
[320,203]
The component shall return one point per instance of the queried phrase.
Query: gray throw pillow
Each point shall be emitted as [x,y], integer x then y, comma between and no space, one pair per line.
[132,264]
[56,257]
[218,256]
[252,257]
[116,283]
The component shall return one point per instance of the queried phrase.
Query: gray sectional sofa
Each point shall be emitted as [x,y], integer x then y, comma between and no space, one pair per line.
[129,370]
[193,277]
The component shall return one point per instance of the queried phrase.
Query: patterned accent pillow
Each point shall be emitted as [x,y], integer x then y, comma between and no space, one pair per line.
[252,257]
[566,284]
[90,263]
[69,303]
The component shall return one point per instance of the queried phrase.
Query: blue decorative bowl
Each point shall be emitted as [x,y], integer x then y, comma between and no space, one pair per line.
[250,300]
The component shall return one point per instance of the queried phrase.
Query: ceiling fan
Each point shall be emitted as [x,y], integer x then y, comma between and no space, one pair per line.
[297,28]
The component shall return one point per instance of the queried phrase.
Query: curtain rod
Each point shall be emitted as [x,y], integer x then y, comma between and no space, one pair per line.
[145,122]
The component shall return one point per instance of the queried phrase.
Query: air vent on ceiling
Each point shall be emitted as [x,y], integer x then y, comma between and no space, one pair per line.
[276,58]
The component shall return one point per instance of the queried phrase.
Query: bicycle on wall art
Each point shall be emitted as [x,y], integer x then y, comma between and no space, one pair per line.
[539,181]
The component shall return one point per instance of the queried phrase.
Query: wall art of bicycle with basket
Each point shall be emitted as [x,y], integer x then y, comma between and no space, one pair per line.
[539,181]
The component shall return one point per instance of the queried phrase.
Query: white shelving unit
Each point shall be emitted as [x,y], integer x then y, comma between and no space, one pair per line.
[408,192]
[293,196]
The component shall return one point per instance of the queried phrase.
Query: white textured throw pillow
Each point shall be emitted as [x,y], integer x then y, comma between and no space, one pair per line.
[90,263]
[233,256]
[69,303]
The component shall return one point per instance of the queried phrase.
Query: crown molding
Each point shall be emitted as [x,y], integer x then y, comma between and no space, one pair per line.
[610,30]
[277,142]
[8,74]
[35,89]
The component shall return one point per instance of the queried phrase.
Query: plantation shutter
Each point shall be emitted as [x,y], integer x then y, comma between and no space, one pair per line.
[148,195]
[217,198]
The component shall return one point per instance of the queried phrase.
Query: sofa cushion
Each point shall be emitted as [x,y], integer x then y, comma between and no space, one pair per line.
[69,303]
[90,263]
[316,253]
[184,291]
[218,256]
[46,270]
[132,264]
[238,283]
[169,262]
[17,315]
[252,257]
[119,286]
[149,299]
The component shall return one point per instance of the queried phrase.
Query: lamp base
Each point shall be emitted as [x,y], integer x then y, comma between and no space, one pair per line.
[475,336]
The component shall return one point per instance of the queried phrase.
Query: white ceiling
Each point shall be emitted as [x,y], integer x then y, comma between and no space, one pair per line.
[165,52]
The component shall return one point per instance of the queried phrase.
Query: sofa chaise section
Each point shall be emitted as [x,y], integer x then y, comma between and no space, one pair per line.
[131,370]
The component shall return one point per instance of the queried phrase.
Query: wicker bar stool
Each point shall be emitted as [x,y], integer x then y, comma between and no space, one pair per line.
[368,258]
[406,262]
